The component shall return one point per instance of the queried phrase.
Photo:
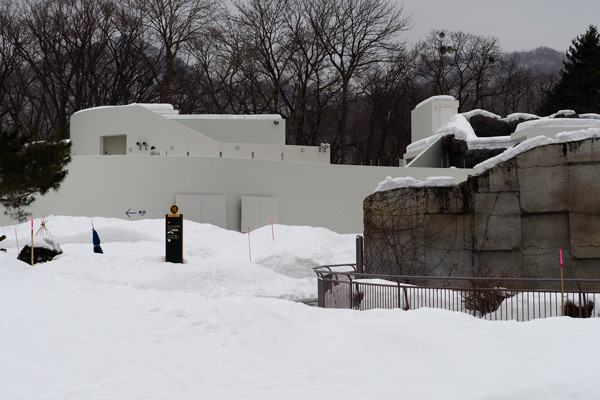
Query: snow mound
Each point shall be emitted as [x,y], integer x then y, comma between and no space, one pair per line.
[567,123]
[403,182]
[484,113]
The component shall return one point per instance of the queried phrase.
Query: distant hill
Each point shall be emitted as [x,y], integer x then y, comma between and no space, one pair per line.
[542,59]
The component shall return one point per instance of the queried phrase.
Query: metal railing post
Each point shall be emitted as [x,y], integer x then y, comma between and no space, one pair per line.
[359,254]
[320,292]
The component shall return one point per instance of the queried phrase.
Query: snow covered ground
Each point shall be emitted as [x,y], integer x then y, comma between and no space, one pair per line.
[127,325]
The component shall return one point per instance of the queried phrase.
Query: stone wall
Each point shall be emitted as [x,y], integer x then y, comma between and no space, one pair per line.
[511,219]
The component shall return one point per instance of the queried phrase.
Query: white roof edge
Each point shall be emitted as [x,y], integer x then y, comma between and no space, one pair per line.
[579,123]
[226,116]
[444,97]
[156,107]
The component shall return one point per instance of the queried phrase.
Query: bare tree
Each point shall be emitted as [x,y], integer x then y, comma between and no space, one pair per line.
[460,64]
[62,44]
[381,129]
[170,25]
[9,62]
[355,35]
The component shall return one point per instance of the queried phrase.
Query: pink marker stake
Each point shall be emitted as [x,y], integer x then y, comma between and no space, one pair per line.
[32,243]
[562,283]
[561,262]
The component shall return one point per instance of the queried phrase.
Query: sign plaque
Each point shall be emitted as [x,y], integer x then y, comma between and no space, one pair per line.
[174,236]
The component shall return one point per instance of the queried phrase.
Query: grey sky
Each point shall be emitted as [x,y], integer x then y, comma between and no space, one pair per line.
[518,24]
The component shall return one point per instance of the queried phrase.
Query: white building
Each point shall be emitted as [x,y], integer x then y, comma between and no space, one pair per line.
[231,171]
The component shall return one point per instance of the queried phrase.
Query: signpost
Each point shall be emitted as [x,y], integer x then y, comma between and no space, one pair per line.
[174,236]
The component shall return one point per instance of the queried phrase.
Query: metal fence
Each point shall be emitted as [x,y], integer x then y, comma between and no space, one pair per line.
[521,299]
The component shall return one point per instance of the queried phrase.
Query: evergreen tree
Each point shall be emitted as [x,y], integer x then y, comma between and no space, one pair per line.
[29,168]
[579,84]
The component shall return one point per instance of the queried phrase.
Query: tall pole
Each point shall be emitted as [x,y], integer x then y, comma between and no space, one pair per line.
[562,284]
[272,229]
[32,243]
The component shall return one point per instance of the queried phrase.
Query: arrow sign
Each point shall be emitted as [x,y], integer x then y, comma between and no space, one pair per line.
[129,213]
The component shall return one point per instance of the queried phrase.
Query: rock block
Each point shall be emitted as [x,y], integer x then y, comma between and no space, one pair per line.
[544,189]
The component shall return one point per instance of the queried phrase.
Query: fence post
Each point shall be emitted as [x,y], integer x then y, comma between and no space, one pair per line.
[359,254]
[320,292]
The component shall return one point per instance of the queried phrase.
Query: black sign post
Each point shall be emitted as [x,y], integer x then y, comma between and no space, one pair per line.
[174,236]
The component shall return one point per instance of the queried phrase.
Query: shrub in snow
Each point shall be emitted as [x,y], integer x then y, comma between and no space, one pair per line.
[576,311]
[43,251]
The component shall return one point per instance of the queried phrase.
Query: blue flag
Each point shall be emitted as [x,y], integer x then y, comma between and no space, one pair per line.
[96,240]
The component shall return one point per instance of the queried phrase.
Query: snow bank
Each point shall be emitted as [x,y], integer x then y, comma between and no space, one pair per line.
[459,127]
[518,116]
[590,116]
[484,113]
[127,325]
[566,123]
[396,183]
[423,143]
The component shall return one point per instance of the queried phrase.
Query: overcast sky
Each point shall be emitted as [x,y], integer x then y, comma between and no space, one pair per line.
[518,24]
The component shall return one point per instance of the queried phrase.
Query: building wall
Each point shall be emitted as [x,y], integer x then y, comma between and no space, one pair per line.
[91,128]
[262,129]
[320,195]
[140,125]
[431,115]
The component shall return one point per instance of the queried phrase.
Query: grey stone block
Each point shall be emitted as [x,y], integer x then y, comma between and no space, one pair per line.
[542,156]
[447,200]
[584,188]
[501,263]
[504,177]
[498,203]
[495,232]
[585,235]
[548,230]
[582,151]
[543,189]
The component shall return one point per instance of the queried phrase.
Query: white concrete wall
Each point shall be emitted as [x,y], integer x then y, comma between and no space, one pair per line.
[431,115]
[324,195]
[275,152]
[264,129]
[140,125]
[433,157]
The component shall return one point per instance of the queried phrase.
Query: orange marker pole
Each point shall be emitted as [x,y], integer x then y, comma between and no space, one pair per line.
[562,283]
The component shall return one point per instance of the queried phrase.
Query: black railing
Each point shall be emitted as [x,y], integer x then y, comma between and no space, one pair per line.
[522,299]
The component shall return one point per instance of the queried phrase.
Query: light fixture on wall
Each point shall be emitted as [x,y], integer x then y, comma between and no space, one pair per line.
[145,145]
[276,122]
[171,147]
[139,145]
[323,147]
